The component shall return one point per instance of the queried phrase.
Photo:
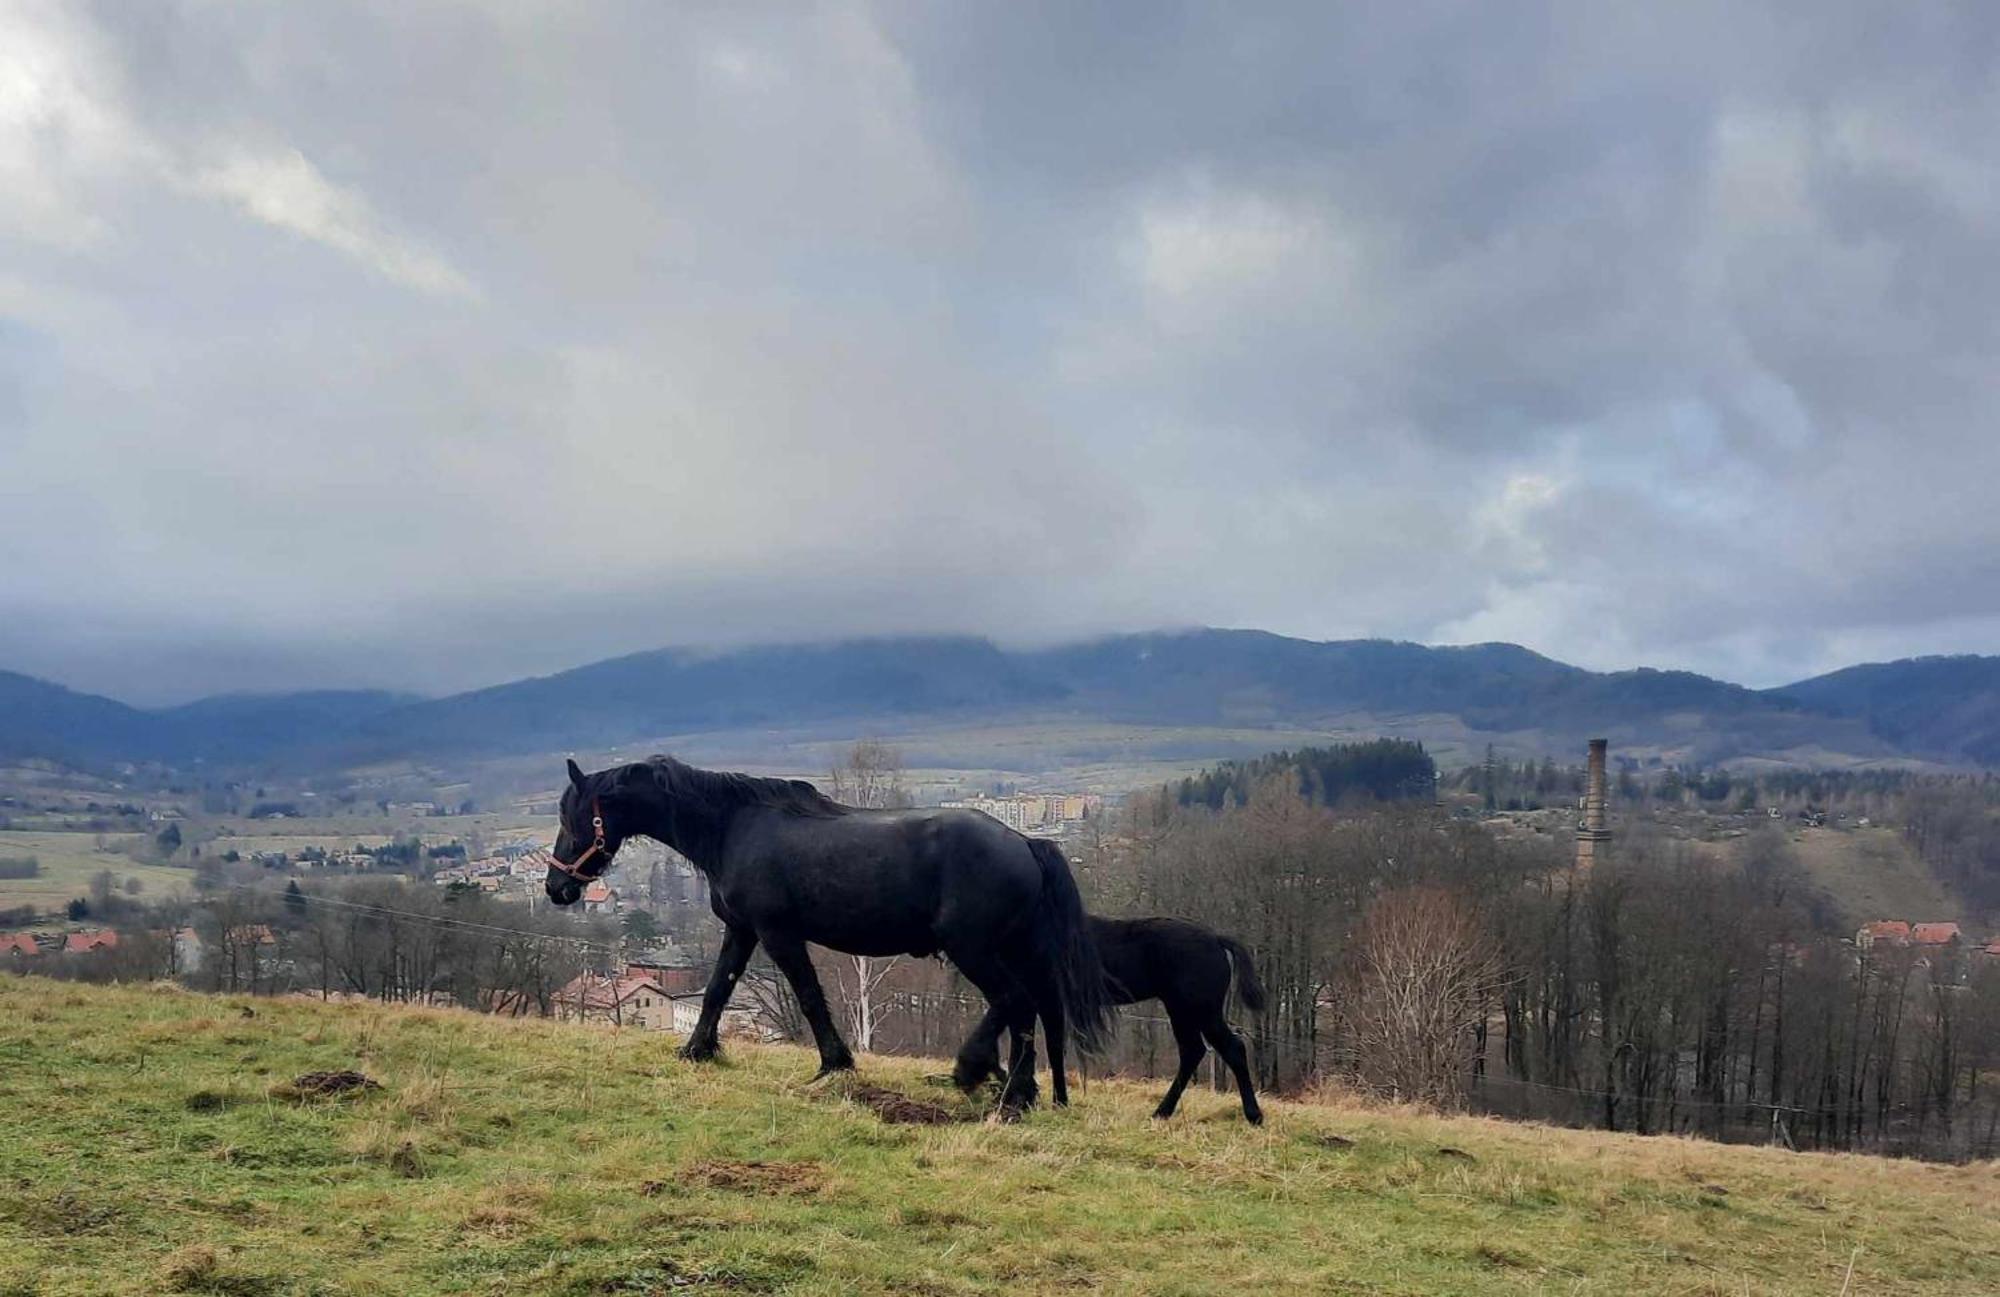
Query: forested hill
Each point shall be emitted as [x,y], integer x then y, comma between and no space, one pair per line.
[1938,709]
[1944,704]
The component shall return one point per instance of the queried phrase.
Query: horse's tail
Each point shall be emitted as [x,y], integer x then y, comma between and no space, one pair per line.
[1248,988]
[1067,944]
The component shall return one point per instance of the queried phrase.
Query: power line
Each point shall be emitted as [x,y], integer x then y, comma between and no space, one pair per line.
[442,920]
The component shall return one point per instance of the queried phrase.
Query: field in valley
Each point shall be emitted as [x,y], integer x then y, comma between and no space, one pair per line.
[70,860]
[149,1143]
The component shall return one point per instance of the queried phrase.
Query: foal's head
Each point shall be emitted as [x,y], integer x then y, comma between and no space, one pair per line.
[587,833]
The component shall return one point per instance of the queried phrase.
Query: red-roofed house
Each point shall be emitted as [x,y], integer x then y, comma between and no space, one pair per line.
[1892,932]
[599,897]
[626,1000]
[1992,948]
[18,945]
[82,943]
[1936,934]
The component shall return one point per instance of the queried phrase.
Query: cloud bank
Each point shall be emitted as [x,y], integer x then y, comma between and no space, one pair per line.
[427,346]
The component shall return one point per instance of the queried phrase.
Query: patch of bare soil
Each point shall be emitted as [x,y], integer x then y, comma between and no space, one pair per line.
[772,1179]
[62,1212]
[320,1084]
[899,1109]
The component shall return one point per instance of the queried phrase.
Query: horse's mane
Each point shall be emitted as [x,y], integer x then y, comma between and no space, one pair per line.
[725,789]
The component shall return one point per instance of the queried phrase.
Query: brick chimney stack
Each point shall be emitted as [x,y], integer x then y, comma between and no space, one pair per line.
[1592,834]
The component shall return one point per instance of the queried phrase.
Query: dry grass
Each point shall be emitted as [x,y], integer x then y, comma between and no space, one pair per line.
[527,1157]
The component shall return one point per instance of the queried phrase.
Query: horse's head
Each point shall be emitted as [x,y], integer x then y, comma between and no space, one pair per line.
[587,836]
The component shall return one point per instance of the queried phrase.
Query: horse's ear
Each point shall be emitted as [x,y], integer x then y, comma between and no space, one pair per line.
[576,775]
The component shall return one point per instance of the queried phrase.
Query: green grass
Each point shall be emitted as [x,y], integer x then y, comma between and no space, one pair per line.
[147,1144]
[70,860]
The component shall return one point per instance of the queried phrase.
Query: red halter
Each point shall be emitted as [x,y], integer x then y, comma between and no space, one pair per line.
[575,867]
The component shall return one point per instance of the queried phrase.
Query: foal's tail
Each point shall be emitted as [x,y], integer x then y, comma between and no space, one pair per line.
[1065,936]
[1248,988]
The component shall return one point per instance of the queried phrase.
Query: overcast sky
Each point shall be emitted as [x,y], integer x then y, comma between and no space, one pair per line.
[430,345]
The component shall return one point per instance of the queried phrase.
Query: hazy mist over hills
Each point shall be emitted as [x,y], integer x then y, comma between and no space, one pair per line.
[1938,709]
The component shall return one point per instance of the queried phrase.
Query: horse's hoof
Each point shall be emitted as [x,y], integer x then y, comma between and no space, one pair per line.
[1254,1118]
[698,1053]
[830,1070]
[1162,1114]
[1010,1113]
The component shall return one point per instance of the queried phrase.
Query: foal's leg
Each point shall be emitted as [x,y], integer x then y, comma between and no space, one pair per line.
[738,944]
[789,954]
[1228,1044]
[1188,1036]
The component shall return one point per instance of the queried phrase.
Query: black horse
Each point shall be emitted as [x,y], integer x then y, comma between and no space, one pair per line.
[1186,967]
[787,865]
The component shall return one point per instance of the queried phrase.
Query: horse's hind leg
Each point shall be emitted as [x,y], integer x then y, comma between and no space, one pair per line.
[1188,1036]
[979,1056]
[1047,999]
[1055,1031]
[1228,1044]
[1020,1092]
[789,954]
[1011,1000]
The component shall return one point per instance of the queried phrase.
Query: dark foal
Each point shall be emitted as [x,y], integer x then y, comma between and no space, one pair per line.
[1188,969]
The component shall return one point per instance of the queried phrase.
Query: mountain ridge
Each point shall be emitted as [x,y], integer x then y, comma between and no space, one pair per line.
[1943,709]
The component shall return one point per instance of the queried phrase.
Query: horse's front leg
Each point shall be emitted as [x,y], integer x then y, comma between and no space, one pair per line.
[789,954]
[738,944]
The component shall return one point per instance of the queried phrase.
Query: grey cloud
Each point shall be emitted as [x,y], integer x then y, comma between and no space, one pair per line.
[421,346]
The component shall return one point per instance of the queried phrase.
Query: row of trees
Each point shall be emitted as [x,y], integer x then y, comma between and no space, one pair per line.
[1380,770]
[1881,794]
[1665,989]
[381,938]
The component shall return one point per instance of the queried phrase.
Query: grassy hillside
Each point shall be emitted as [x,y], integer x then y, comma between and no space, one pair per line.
[1874,873]
[148,1143]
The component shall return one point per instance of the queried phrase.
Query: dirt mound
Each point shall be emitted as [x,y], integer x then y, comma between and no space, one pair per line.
[797,1179]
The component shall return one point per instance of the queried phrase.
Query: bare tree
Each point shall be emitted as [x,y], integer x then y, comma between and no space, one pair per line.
[860,979]
[1424,972]
[776,1007]
[870,775]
